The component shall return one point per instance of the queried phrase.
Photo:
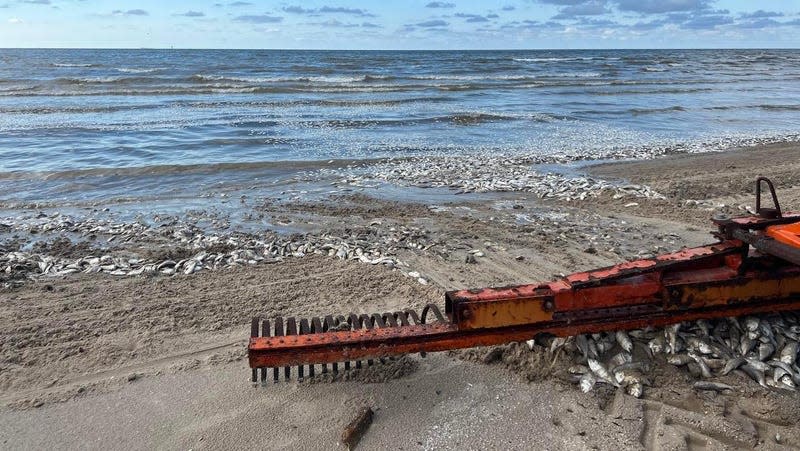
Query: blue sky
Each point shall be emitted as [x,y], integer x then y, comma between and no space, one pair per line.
[411,24]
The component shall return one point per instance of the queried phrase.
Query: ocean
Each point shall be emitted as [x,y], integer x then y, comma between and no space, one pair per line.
[175,129]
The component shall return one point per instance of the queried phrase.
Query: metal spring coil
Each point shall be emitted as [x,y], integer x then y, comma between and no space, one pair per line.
[316,325]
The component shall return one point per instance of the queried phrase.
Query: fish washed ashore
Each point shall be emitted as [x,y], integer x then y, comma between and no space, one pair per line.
[97,312]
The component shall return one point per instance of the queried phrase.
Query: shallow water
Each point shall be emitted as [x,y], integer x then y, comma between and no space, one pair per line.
[153,112]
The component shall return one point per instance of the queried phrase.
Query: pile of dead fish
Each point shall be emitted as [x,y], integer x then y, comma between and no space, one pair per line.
[497,174]
[376,245]
[763,349]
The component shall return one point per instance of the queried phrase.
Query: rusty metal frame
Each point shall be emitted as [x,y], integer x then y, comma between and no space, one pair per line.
[746,272]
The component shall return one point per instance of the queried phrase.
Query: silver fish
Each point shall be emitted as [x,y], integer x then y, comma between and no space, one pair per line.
[704,369]
[583,345]
[754,374]
[765,331]
[635,389]
[788,381]
[601,372]
[782,365]
[778,373]
[624,340]
[714,364]
[751,323]
[765,350]
[557,343]
[698,344]
[642,367]
[620,359]
[628,377]
[711,386]
[789,353]
[671,333]
[757,364]
[657,344]
[734,334]
[746,345]
[732,364]
[593,351]
[703,326]
[578,369]
[587,382]
[778,384]
[679,359]
[603,346]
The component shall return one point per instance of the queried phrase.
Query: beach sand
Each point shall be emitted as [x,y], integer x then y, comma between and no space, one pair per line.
[96,362]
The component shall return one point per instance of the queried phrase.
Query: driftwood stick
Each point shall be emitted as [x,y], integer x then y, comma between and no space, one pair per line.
[355,429]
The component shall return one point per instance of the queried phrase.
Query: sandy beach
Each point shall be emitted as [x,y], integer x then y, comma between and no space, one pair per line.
[95,361]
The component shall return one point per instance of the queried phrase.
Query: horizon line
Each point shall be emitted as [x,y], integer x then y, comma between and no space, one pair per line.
[401,50]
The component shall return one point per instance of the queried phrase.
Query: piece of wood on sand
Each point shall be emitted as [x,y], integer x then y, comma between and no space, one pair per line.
[355,429]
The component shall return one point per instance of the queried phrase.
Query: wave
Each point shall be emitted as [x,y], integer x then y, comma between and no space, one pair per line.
[73,65]
[640,111]
[767,107]
[181,169]
[563,59]
[780,107]
[314,79]
[133,70]
[464,119]
[653,69]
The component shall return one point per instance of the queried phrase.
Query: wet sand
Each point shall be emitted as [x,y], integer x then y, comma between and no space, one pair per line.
[93,361]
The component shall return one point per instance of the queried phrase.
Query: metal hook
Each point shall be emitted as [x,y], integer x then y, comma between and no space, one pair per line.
[768,213]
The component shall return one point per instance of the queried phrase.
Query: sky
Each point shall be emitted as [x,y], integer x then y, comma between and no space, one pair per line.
[395,24]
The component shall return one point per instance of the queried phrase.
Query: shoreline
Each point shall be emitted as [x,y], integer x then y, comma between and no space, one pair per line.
[140,335]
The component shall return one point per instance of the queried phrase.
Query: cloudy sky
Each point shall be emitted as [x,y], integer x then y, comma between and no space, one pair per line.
[407,24]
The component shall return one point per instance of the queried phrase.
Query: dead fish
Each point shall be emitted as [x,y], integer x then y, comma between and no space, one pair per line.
[778,373]
[642,367]
[703,326]
[704,369]
[601,372]
[754,374]
[711,386]
[635,389]
[732,364]
[557,343]
[604,346]
[593,351]
[679,359]
[620,359]
[734,335]
[587,382]
[765,350]
[789,353]
[624,340]
[788,381]
[720,328]
[578,369]
[751,323]
[583,345]
[714,364]
[747,344]
[782,365]
[779,385]
[657,344]
[765,330]
[759,365]
[698,344]
[671,333]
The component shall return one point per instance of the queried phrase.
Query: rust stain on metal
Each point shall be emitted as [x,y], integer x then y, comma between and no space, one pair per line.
[727,278]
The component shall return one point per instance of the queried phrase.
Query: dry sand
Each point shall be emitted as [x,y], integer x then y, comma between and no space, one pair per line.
[93,362]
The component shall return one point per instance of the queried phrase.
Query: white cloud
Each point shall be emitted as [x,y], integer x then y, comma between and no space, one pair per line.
[15,20]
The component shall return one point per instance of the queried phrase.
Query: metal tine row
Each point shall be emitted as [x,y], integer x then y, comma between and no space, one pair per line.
[330,323]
